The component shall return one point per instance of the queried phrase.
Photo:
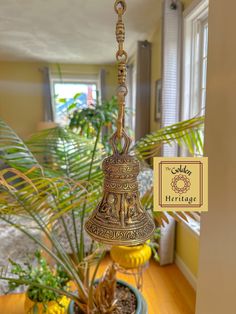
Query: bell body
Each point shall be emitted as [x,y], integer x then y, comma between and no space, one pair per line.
[119,218]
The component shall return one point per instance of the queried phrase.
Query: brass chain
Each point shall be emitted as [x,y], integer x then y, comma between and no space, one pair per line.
[121,57]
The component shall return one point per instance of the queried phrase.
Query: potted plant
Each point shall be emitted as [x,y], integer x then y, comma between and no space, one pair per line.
[66,184]
[114,296]
[30,189]
[37,299]
[86,299]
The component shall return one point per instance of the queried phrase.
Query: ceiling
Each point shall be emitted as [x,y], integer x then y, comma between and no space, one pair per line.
[71,31]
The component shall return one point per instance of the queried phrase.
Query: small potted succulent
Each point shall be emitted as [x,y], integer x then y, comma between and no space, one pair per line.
[38,299]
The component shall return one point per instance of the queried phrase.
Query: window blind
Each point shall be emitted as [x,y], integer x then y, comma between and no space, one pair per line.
[171,59]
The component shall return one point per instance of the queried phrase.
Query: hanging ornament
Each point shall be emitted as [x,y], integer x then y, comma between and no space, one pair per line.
[119,218]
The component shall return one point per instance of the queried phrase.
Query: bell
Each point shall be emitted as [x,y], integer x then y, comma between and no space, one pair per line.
[119,218]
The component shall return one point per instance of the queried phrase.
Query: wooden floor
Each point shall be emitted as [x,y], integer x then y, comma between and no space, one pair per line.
[164,288]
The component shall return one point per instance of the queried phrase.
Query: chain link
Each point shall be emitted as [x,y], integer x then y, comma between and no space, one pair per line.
[121,57]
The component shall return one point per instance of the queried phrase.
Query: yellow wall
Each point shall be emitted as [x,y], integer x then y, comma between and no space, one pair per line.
[21,96]
[187,247]
[187,243]
[21,92]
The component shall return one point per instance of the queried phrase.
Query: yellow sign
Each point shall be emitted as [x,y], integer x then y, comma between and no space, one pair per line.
[181,184]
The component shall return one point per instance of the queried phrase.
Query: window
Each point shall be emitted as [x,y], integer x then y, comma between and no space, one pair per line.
[195,48]
[80,94]
[195,59]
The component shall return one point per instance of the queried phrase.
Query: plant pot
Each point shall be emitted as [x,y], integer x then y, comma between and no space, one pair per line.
[141,303]
[53,307]
[131,256]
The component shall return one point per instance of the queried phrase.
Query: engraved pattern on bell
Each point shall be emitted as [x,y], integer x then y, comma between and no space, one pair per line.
[119,218]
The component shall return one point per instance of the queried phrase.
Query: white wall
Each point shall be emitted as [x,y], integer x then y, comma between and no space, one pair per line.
[217,268]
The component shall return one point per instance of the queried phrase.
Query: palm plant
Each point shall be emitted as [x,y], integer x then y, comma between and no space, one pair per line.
[41,198]
[66,178]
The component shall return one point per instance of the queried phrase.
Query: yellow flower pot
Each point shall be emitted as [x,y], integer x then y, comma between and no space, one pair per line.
[131,256]
[53,307]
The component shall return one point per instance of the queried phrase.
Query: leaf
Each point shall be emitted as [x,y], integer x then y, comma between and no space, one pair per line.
[71,106]
[185,133]
[77,95]
[62,100]
[13,151]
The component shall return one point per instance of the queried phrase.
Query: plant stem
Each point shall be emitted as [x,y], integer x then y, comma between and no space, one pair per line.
[85,202]
[73,214]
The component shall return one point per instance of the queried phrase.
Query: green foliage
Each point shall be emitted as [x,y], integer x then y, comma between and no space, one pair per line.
[94,119]
[43,197]
[88,121]
[77,158]
[188,134]
[40,200]
[42,274]
[65,177]
[60,151]
[13,150]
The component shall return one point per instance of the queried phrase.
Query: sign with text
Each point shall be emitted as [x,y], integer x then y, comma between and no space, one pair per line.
[181,184]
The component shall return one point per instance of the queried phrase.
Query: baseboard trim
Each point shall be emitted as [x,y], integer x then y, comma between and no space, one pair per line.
[186,272]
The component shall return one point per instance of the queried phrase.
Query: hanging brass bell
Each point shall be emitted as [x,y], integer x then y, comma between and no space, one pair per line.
[119,218]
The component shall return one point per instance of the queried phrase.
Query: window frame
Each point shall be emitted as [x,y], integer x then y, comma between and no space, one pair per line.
[71,79]
[193,17]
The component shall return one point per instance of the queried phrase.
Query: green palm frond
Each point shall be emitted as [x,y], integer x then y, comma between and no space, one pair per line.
[41,195]
[62,151]
[76,157]
[40,199]
[188,133]
[13,151]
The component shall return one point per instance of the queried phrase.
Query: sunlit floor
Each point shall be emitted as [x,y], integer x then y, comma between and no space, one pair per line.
[165,289]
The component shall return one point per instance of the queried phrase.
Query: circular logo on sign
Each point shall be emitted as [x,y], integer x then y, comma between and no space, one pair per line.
[180,184]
